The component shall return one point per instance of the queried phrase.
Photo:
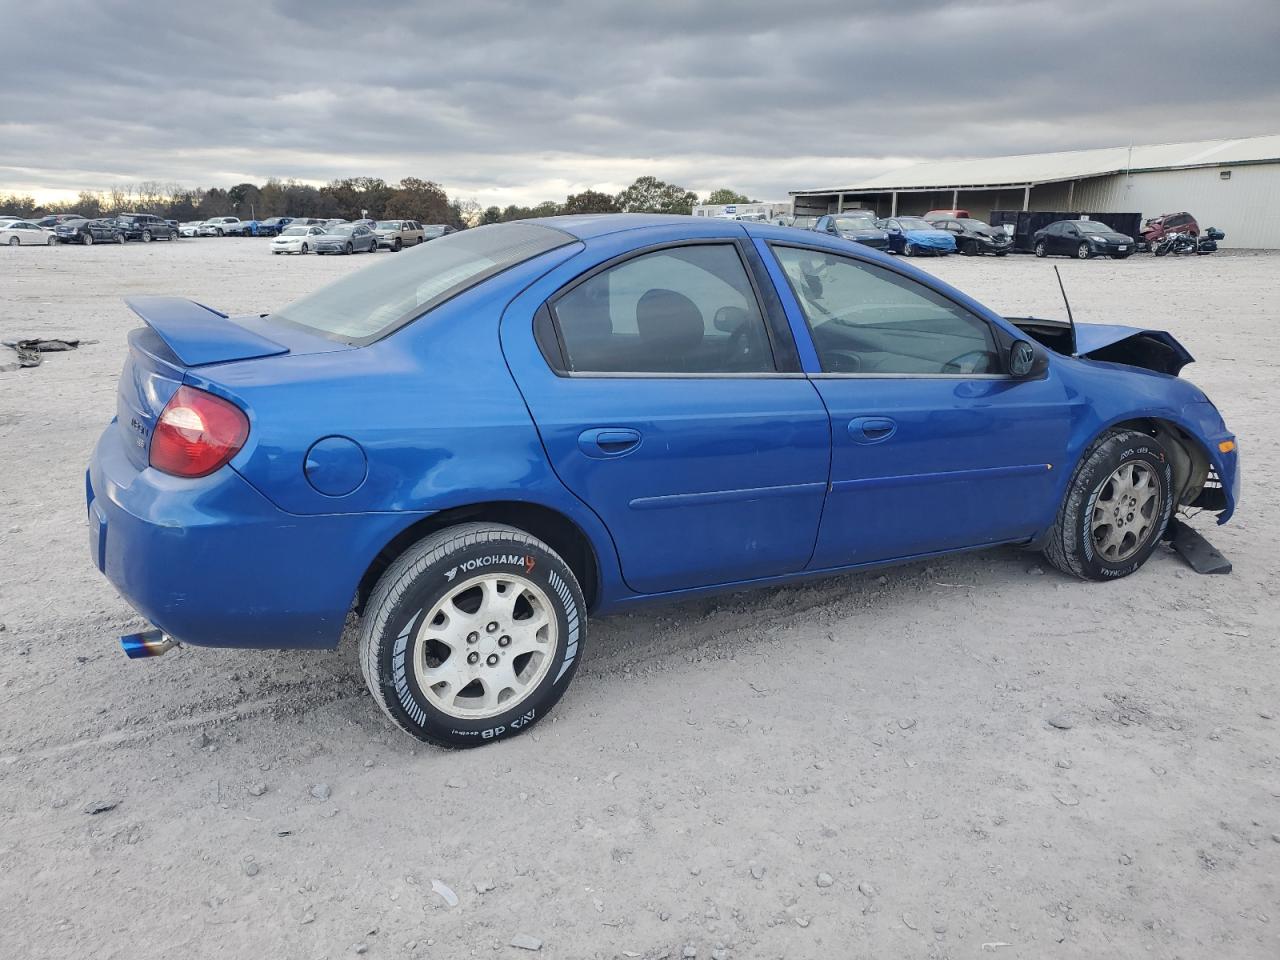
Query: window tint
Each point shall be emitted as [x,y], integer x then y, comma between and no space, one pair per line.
[686,309]
[866,319]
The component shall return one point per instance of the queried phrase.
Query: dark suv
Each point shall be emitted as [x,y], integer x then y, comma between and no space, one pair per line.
[145,227]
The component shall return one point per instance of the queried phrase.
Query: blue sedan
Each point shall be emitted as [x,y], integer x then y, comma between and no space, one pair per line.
[477,444]
[915,236]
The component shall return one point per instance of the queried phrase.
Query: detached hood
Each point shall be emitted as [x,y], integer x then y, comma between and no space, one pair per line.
[1156,350]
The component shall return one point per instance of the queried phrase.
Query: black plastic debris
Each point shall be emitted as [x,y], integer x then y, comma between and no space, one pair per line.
[31,352]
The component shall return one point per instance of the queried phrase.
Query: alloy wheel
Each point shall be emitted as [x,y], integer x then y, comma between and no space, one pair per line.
[485,646]
[1125,509]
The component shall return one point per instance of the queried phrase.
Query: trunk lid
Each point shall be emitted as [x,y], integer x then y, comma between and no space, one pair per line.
[181,335]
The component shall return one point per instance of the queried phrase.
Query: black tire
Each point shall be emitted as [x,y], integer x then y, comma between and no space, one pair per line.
[1083,252]
[395,247]
[305,248]
[120,239]
[423,577]
[14,242]
[219,232]
[1041,249]
[87,239]
[146,236]
[909,249]
[1119,256]
[1071,543]
[347,249]
[1002,253]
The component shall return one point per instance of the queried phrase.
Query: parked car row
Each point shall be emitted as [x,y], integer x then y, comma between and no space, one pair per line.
[338,236]
[940,232]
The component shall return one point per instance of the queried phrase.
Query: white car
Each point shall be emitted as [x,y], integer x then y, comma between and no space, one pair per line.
[26,234]
[221,227]
[296,240]
[191,228]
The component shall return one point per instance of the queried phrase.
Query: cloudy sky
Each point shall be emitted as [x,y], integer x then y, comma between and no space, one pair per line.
[516,102]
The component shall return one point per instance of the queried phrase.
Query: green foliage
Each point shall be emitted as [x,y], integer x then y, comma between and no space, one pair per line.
[421,200]
[491,215]
[725,195]
[651,195]
[590,201]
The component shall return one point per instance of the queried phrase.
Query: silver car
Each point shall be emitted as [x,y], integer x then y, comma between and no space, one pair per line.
[346,238]
[396,234]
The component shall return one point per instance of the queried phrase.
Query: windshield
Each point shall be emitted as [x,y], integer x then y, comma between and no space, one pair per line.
[854,223]
[374,301]
[342,229]
[296,232]
[915,223]
[1088,226]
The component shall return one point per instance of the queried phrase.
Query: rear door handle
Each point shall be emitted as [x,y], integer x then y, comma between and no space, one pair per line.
[605,442]
[871,429]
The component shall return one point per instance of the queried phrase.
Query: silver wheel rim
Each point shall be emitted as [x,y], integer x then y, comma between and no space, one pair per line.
[485,646]
[1125,509]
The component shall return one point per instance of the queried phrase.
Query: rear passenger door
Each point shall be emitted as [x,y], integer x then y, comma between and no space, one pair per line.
[670,402]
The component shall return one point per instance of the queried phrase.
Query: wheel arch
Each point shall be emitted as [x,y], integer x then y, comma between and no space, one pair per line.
[549,525]
[1191,462]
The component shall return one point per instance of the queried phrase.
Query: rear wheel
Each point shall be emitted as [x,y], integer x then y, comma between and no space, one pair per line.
[472,635]
[146,236]
[347,249]
[1117,505]
[305,248]
[1082,252]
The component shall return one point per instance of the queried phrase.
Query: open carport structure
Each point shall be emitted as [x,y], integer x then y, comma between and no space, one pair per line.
[1231,184]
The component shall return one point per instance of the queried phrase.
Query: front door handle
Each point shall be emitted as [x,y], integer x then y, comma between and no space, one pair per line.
[871,429]
[605,442]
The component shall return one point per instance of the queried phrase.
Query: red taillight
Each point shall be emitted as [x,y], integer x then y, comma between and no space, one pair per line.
[197,433]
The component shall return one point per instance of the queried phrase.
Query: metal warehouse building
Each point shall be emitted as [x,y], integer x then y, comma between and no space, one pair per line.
[1233,185]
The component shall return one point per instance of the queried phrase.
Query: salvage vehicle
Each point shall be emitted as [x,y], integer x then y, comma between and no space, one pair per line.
[52,221]
[221,227]
[859,229]
[957,214]
[89,232]
[974,237]
[191,228]
[145,227]
[478,444]
[397,234]
[914,236]
[24,233]
[346,238]
[297,239]
[1155,229]
[1081,239]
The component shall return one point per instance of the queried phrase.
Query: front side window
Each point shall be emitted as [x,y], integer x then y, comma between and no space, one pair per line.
[687,309]
[866,319]
[373,302]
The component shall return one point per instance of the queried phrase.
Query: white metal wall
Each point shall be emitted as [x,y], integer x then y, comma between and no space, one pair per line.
[1245,207]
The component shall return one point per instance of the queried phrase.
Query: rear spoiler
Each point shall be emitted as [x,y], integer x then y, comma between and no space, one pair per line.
[200,335]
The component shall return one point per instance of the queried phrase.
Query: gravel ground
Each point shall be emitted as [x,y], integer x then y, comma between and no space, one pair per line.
[857,767]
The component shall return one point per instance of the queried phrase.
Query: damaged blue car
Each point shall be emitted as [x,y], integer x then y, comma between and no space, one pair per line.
[478,444]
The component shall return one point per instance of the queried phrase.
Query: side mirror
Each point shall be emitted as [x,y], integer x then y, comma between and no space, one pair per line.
[1022,359]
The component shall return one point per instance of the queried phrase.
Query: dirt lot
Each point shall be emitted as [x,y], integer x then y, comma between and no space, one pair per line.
[860,767]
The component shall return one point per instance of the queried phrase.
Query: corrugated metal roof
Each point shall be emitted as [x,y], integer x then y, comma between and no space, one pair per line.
[1069,165]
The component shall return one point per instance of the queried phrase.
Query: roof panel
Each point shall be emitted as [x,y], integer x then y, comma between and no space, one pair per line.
[1068,165]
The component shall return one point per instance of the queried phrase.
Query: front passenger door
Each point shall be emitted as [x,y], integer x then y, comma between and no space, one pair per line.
[933,446]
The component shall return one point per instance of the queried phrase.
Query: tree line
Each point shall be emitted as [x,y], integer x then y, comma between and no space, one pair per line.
[355,197]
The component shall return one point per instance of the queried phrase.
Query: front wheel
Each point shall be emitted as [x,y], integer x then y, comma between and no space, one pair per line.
[395,247]
[909,249]
[219,232]
[473,635]
[14,241]
[347,249]
[305,248]
[1082,252]
[1041,249]
[1116,508]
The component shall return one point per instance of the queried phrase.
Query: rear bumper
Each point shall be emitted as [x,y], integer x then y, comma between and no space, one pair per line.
[212,562]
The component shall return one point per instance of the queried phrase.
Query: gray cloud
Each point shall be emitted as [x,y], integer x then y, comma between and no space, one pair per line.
[516,102]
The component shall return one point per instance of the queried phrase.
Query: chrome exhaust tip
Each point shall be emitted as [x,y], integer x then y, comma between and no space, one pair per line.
[151,643]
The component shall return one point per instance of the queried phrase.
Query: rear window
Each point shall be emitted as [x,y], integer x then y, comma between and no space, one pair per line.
[374,301]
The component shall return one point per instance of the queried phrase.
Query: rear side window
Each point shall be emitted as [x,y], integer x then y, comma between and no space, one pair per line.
[687,309]
[872,321]
[374,301]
